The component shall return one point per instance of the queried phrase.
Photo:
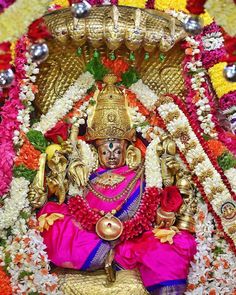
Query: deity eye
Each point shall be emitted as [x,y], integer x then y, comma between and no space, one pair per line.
[104,153]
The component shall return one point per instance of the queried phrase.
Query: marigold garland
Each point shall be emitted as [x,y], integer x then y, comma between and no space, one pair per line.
[16,19]
[28,155]
[220,84]
[134,3]
[171,4]
[5,283]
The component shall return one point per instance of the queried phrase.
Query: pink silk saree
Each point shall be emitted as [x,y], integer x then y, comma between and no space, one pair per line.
[160,264]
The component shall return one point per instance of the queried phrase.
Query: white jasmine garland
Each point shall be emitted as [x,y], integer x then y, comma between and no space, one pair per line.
[197,83]
[210,272]
[144,94]
[27,96]
[152,165]
[15,203]
[63,105]
[26,245]
[200,168]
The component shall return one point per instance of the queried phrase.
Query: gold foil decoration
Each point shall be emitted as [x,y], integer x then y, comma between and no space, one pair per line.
[74,282]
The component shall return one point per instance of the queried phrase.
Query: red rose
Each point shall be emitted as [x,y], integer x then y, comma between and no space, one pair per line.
[171,199]
[59,131]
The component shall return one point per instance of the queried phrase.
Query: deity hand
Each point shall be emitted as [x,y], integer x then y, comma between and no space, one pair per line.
[165,219]
[37,196]
[66,147]
[78,172]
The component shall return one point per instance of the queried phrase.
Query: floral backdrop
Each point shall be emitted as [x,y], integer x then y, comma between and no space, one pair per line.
[24,266]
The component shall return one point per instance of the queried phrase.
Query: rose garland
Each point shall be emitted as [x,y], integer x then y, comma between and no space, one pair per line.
[140,222]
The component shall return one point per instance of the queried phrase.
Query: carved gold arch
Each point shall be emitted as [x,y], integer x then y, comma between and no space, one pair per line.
[107,28]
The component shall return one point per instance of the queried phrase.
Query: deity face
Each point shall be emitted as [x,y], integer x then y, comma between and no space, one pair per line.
[111,152]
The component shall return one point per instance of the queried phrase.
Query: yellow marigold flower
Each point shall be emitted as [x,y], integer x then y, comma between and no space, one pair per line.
[171,4]
[15,20]
[62,3]
[206,18]
[220,84]
[136,3]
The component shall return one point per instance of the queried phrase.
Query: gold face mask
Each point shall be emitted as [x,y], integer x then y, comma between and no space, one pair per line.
[111,152]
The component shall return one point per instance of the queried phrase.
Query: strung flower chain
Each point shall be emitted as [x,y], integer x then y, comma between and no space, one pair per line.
[141,221]
[152,165]
[199,93]
[63,105]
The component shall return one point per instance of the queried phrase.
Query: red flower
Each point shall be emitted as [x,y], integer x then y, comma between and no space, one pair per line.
[117,66]
[195,6]
[60,130]
[171,199]
[38,30]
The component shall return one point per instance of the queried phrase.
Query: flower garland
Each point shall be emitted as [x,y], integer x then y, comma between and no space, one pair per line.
[26,261]
[217,191]
[9,125]
[133,227]
[146,96]
[213,269]
[152,165]
[199,96]
[221,85]
[16,19]
[63,105]
[9,213]
[5,283]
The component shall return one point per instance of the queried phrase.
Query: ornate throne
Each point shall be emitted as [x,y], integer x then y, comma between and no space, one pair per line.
[149,41]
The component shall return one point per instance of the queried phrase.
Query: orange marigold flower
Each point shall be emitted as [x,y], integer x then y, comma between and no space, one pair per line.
[28,155]
[212,292]
[5,283]
[191,287]
[216,147]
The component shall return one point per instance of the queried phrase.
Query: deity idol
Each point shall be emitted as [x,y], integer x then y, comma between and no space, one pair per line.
[116,221]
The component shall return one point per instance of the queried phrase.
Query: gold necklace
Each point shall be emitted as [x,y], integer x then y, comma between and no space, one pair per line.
[127,190]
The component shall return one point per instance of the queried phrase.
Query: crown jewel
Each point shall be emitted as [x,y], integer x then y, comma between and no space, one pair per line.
[110,118]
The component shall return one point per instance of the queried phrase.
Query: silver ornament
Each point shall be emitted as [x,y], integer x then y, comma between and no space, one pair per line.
[6,78]
[230,73]
[39,52]
[79,10]
[193,25]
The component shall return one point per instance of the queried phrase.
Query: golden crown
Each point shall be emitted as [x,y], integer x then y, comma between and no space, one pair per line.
[110,118]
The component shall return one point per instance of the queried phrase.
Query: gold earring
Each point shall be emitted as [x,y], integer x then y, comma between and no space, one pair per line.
[95,154]
[133,157]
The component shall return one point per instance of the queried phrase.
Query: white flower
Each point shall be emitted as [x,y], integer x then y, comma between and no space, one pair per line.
[152,165]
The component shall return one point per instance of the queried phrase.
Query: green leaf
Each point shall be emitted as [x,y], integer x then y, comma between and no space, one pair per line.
[92,102]
[24,273]
[7,261]
[22,171]
[24,215]
[206,137]
[37,139]
[33,293]
[130,77]
[3,243]
[96,68]
[226,161]
[218,250]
